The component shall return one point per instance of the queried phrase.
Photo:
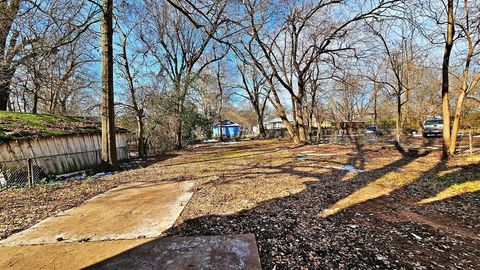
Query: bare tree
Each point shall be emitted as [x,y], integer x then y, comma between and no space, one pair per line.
[401,55]
[254,90]
[350,99]
[469,27]
[375,70]
[445,79]
[181,50]
[460,38]
[291,50]
[130,70]
[21,37]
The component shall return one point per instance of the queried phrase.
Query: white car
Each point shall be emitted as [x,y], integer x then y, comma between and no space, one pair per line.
[433,127]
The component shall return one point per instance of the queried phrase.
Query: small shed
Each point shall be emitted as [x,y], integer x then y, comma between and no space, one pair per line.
[228,127]
[49,145]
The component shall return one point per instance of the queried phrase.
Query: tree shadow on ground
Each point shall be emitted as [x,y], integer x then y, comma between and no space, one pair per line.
[291,233]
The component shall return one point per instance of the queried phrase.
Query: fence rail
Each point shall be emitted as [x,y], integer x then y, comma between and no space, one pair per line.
[32,171]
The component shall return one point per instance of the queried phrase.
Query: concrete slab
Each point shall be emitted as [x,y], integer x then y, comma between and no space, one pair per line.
[63,255]
[178,253]
[127,212]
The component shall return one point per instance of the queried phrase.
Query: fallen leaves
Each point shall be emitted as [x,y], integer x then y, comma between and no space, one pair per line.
[261,187]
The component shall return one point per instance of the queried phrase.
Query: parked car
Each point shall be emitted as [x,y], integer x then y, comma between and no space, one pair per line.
[433,127]
[373,130]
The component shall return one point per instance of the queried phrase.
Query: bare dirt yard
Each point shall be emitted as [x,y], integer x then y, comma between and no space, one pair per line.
[312,207]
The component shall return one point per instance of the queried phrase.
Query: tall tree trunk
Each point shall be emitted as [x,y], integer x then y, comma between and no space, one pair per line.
[109,149]
[180,126]
[36,89]
[261,127]
[140,135]
[445,81]
[8,48]
[298,118]
[52,102]
[406,78]
[277,104]
[179,135]
[63,106]
[375,103]
[220,108]
[35,102]
[398,123]
[6,76]
[456,123]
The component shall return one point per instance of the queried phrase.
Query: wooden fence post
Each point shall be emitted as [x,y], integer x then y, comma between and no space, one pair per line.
[30,172]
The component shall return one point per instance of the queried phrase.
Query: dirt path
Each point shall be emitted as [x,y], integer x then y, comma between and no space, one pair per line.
[102,227]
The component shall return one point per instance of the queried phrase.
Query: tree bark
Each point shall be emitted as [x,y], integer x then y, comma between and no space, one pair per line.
[140,135]
[179,135]
[4,95]
[298,118]
[398,122]
[35,102]
[261,126]
[456,123]
[5,81]
[109,149]
[375,103]
[36,89]
[445,81]
[7,46]
[180,126]
[281,113]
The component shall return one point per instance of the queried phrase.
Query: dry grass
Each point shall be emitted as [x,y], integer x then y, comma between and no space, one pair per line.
[304,208]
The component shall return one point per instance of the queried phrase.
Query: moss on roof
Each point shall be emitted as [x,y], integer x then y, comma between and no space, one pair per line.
[15,125]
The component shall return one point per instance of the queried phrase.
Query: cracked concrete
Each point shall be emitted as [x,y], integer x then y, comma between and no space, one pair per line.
[121,229]
[126,212]
[131,211]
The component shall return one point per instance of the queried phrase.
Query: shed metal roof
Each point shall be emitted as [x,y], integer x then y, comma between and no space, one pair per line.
[228,123]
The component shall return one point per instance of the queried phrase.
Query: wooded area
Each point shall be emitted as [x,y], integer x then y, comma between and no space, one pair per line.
[178,67]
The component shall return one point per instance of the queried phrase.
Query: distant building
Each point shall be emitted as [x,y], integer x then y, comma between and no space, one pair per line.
[275,128]
[277,124]
[274,124]
[228,129]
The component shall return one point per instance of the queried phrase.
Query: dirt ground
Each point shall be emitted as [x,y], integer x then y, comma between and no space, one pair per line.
[319,206]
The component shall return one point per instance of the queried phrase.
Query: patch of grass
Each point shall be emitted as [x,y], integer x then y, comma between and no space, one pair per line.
[15,125]
[454,190]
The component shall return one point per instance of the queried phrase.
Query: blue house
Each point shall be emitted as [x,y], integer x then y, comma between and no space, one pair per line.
[229,129]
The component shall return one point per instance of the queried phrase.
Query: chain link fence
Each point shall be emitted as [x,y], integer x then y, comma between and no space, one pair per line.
[33,171]
[15,173]
[355,138]
[466,143]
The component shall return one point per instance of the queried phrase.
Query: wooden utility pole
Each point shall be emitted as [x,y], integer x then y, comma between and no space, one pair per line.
[109,149]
